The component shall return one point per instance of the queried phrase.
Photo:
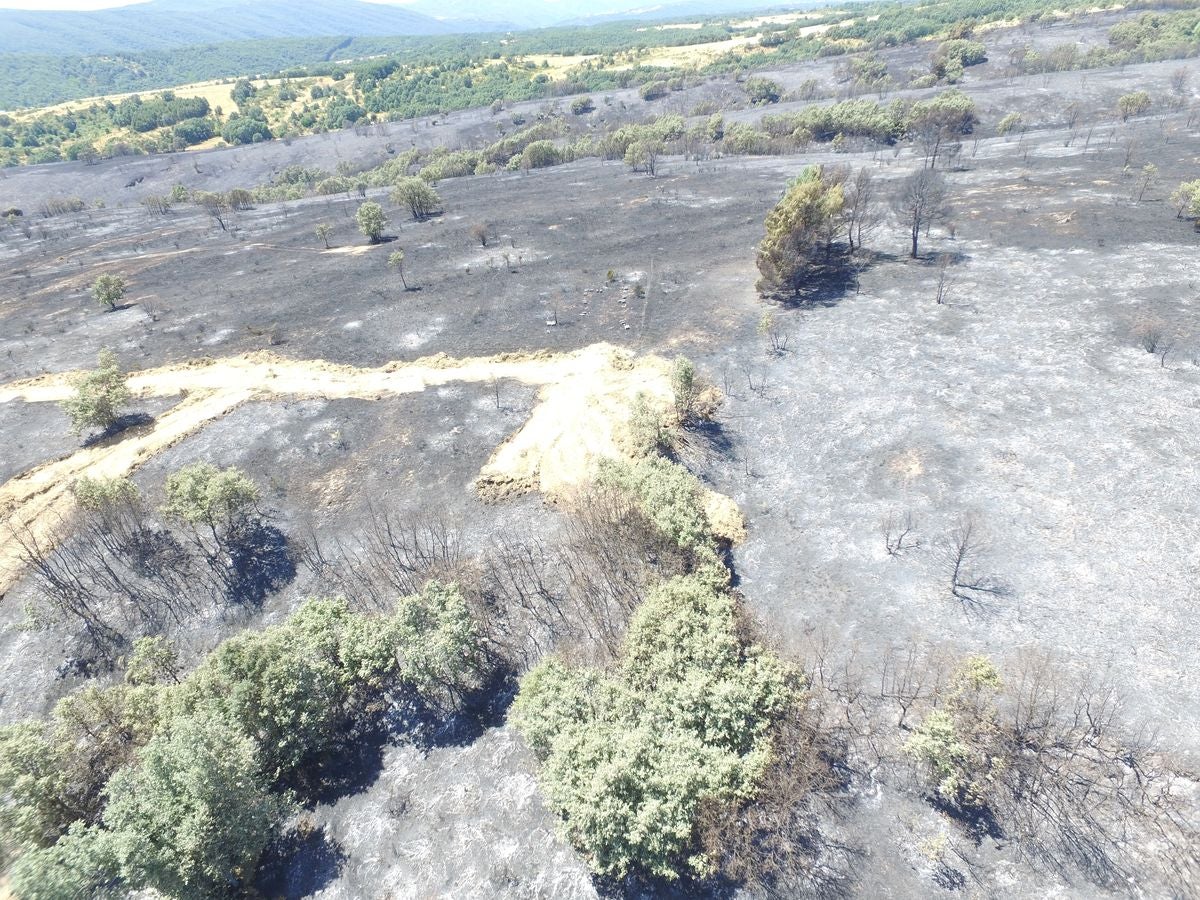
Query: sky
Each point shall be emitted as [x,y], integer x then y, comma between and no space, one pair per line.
[64,4]
[93,4]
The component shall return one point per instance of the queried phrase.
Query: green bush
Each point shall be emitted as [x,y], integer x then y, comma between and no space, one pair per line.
[193,816]
[629,757]
[100,494]
[1133,104]
[745,140]
[99,397]
[540,155]
[1011,122]
[653,90]
[36,807]
[79,865]
[203,495]
[763,90]
[964,52]
[52,773]
[450,165]
[670,496]
[371,221]
[293,687]
[189,765]
[437,641]
[1186,197]
[418,195]
[956,742]
[646,434]
[108,290]
[797,232]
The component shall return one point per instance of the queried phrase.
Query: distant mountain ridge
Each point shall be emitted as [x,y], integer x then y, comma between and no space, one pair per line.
[163,24]
[542,13]
[167,24]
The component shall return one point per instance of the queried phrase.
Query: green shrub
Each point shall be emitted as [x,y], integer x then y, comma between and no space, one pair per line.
[193,816]
[744,140]
[670,496]
[450,165]
[955,742]
[202,494]
[418,195]
[79,865]
[153,661]
[964,52]
[653,90]
[371,221]
[437,641]
[1133,104]
[292,687]
[646,434]
[108,290]
[629,757]
[1009,123]
[763,90]
[99,397]
[1186,197]
[33,784]
[797,232]
[100,494]
[335,184]
[540,155]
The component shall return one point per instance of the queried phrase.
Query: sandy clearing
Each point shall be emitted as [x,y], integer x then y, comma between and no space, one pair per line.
[580,416]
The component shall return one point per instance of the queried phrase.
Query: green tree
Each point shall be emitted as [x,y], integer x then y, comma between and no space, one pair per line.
[220,499]
[798,231]
[153,661]
[1186,198]
[418,195]
[669,495]
[100,396]
[630,756]
[763,90]
[1133,104]
[294,686]
[396,261]
[371,221]
[323,231]
[79,865]
[33,788]
[642,156]
[1012,122]
[192,818]
[437,640]
[958,742]
[108,290]
[104,494]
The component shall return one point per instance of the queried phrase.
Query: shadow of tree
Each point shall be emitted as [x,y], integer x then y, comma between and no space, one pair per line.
[299,862]
[119,427]
[261,561]
[830,282]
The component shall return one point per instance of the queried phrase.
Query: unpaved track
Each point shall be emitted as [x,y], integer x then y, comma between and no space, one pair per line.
[581,410]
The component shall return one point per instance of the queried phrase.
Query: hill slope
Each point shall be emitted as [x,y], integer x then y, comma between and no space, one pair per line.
[161,24]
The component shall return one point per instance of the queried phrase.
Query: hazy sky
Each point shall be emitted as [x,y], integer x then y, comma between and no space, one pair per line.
[93,4]
[63,4]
